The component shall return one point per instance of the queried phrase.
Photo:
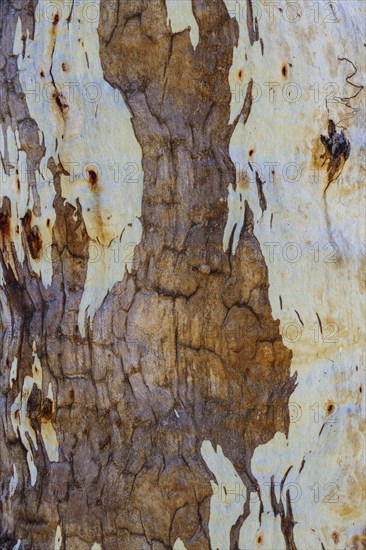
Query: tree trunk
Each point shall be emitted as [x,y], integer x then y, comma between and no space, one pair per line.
[181,263]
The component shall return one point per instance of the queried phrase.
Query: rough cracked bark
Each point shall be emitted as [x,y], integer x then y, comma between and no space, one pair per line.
[122,391]
[171,369]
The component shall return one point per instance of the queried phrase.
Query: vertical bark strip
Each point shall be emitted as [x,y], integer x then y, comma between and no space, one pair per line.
[104,434]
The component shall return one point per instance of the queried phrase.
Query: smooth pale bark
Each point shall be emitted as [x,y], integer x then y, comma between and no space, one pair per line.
[182,288]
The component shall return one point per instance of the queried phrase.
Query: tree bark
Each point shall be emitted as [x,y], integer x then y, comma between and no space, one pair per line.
[143,369]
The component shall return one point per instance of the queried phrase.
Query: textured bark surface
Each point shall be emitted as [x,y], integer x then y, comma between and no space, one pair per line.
[135,403]
[105,424]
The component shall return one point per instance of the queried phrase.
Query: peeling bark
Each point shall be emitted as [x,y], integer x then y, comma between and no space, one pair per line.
[337,150]
[116,427]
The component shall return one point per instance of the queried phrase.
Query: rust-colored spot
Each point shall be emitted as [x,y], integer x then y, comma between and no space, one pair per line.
[330,408]
[41,74]
[243,180]
[92,177]
[259,539]
[56,19]
[61,104]
[48,222]
[240,74]
[251,152]
[64,67]
[18,184]
[317,157]
[284,70]
[335,537]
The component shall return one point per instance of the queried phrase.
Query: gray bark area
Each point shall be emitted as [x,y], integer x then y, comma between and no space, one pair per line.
[130,473]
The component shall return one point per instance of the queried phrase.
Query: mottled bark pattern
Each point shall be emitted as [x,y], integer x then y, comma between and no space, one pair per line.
[182,350]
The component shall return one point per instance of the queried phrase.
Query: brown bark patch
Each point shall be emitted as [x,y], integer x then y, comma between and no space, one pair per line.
[34,237]
[185,347]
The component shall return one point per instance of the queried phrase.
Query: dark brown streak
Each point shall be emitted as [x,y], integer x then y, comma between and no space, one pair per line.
[246,109]
[320,323]
[261,195]
[252,24]
[235,529]
[298,315]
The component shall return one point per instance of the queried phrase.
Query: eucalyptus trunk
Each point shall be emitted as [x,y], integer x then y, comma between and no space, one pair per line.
[181,274]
